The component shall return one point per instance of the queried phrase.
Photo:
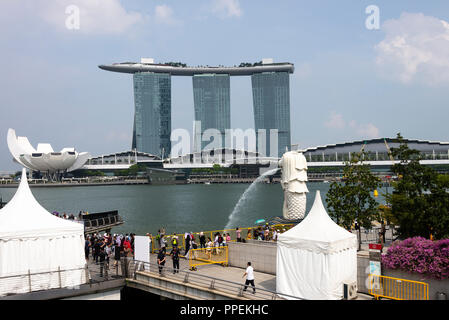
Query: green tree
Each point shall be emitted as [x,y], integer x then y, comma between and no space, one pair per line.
[351,200]
[420,200]
[136,168]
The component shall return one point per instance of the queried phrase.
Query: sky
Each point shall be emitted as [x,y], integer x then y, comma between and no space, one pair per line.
[360,73]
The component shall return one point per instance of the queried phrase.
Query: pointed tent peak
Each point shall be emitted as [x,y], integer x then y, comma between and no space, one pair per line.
[318,209]
[318,216]
[24,217]
[23,192]
[24,180]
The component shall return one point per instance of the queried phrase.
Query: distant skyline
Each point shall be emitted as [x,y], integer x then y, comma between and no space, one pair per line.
[350,82]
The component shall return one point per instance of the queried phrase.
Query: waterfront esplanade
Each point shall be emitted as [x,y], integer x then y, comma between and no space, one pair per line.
[211,92]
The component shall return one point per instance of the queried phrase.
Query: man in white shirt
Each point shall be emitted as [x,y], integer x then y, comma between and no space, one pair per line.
[249,278]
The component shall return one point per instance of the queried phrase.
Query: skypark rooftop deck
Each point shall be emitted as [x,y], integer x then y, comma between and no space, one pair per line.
[134,67]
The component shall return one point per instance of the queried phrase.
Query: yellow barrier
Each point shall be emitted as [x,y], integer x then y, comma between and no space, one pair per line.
[397,289]
[204,256]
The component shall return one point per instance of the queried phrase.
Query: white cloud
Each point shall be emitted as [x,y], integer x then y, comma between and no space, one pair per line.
[367,130]
[337,122]
[95,16]
[227,8]
[164,15]
[415,49]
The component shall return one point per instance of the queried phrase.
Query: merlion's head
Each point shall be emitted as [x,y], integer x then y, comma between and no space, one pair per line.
[294,160]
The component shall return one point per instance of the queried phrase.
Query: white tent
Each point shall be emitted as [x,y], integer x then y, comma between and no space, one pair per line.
[33,241]
[316,257]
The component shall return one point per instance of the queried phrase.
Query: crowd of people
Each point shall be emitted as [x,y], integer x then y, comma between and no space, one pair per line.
[70,216]
[210,244]
[266,233]
[103,247]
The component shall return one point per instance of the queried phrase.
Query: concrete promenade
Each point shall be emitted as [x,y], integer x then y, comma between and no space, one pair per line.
[232,274]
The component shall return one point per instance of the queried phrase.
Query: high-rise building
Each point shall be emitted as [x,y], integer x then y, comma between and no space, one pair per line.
[211,92]
[271,102]
[152,116]
[211,97]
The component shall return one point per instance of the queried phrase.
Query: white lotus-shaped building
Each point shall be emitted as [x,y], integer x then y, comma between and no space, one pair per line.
[43,158]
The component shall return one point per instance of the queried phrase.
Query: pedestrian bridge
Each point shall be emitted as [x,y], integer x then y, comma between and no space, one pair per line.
[213,282]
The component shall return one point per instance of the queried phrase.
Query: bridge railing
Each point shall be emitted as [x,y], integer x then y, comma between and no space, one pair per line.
[207,282]
[43,280]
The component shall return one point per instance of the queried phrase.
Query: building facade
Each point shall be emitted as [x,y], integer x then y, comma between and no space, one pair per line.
[211,92]
[152,116]
[271,103]
[211,98]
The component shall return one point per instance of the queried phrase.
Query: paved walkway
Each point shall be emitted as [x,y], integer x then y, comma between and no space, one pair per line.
[234,274]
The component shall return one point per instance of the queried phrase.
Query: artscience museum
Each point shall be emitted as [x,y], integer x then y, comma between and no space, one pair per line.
[44,159]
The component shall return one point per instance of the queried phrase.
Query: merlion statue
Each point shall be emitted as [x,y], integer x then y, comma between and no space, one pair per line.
[293,181]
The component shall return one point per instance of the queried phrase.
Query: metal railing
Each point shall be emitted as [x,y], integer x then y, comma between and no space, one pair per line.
[94,223]
[43,280]
[373,235]
[206,282]
[59,278]
[397,289]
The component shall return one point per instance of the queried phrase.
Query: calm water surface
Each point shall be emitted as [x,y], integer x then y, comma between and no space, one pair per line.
[178,208]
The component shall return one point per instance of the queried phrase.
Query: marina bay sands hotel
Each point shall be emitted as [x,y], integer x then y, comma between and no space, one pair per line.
[211,93]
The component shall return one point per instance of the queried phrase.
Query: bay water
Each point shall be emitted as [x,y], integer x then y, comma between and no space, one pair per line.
[177,208]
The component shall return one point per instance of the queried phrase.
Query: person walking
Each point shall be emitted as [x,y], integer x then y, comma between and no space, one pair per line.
[161,260]
[175,256]
[249,273]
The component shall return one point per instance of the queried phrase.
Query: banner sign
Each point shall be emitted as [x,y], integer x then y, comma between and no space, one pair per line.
[141,248]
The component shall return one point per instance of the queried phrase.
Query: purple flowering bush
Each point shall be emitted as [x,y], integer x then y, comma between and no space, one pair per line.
[419,255]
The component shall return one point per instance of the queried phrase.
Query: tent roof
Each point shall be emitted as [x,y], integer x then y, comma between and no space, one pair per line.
[23,217]
[318,232]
